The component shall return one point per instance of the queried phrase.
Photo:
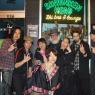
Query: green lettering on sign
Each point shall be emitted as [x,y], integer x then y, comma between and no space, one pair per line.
[63,6]
[63,11]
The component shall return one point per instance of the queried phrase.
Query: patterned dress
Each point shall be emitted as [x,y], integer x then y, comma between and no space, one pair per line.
[44,82]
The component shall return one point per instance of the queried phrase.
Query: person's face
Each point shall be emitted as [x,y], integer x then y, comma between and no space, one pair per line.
[65,43]
[92,37]
[27,44]
[52,58]
[76,37]
[17,34]
[54,36]
[42,45]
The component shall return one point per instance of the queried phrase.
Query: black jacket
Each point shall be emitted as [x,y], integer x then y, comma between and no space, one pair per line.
[65,61]
[83,61]
[38,55]
[55,46]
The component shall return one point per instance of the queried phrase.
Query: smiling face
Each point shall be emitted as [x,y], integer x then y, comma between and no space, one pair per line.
[42,45]
[54,36]
[27,44]
[92,37]
[51,55]
[65,43]
[52,58]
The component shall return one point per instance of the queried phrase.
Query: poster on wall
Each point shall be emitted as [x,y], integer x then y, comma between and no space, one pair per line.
[63,11]
[32,30]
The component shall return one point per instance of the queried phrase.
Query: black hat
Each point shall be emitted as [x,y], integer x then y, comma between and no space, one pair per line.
[54,31]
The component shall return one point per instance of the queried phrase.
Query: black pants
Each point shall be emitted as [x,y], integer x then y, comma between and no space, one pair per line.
[93,76]
[19,82]
[82,83]
[68,86]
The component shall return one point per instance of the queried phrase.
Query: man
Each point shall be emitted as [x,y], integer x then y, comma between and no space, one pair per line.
[23,66]
[7,60]
[55,41]
[81,54]
[92,35]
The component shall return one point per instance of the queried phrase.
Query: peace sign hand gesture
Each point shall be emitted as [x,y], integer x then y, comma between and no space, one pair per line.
[82,49]
[12,47]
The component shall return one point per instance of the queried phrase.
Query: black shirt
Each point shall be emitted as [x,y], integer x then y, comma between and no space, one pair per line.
[19,57]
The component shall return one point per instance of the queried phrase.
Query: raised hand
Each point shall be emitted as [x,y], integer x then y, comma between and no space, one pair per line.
[68,48]
[12,47]
[93,50]
[26,58]
[82,49]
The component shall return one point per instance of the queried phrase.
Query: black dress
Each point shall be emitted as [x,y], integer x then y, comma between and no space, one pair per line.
[64,61]
[41,83]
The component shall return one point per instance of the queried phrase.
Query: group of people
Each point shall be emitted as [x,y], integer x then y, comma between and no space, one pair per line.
[58,68]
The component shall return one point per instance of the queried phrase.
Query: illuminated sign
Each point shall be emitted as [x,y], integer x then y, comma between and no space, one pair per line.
[63,11]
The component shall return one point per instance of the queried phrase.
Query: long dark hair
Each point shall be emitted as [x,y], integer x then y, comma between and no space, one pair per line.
[13,31]
[43,41]
[19,41]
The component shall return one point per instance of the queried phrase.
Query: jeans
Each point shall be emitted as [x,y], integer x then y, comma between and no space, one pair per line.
[5,82]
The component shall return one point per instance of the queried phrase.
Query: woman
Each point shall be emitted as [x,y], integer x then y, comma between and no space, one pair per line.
[45,78]
[40,51]
[66,65]
[23,66]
